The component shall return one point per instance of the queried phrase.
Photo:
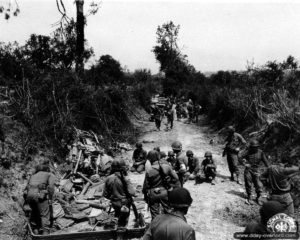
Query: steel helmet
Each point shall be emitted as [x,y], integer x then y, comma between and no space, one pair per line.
[189,153]
[180,198]
[177,146]
[138,145]
[231,129]
[162,154]
[153,156]
[171,153]
[118,165]
[254,143]
[208,154]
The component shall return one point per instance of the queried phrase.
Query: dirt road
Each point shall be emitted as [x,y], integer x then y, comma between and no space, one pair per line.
[217,210]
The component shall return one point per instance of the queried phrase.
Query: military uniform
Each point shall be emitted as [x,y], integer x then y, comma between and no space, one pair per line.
[139,157]
[278,177]
[231,150]
[251,174]
[39,191]
[170,117]
[114,190]
[181,167]
[157,117]
[209,168]
[170,226]
[155,189]
[193,167]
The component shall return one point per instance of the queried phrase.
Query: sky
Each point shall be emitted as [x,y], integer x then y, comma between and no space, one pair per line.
[214,34]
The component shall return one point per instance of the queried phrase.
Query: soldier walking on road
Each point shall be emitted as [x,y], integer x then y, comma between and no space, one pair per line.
[234,142]
[139,159]
[252,158]
[173,225]
[157,183]
[279,180]
[38,194]
[170,117]
[114,190]
[157,117]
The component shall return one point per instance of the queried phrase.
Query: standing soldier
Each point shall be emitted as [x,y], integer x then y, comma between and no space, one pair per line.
[38,194]
[190,109]
[193,165]
[197,110]
[252,158]
[279,180]
[232,149]
[156,184]
[173,225]
[209,168]
[139,159]
[181,162]
[170,117]
[157,117]
[115,191]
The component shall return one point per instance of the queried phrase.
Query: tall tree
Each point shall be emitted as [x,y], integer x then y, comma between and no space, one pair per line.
[80,36]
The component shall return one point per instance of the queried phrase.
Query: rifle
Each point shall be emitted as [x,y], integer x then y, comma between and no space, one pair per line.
[138,216]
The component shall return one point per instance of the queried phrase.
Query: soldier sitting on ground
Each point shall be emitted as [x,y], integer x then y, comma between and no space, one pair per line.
[209,168]
[171,159]
[173,225]
[139,159]
[193,165]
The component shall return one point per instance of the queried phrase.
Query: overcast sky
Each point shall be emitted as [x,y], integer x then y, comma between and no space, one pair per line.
[216,35]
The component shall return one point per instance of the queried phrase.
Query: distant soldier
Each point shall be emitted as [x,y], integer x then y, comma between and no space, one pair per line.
[190,109]
[114,190]
[234,142]
[157,117]
[170,117]
[209,167]
[197,110]
[181,164]
[252,158]
[156,184]
[38,194]
[193,165]
[139,159]
[173,225]
[279,181]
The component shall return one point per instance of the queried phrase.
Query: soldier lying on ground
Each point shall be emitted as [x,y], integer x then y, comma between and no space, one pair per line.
[139,159]
[173,225]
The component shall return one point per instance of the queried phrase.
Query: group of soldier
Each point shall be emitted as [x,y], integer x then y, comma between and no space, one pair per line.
[165,176]
[175,107]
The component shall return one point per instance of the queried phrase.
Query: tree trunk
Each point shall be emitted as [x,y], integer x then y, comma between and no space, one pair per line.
[80,36]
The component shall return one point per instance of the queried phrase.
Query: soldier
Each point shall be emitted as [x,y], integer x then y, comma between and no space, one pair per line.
[197,110]
[209,168]
[279,180]
[157,117]
[181,164]
[114,190]
[170,117]
[193,165]
[232,149]
[38,194]
[171,159]
[267,211]
[156,184]
[139,159]
[190,109]
[252,158]
[173,225]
